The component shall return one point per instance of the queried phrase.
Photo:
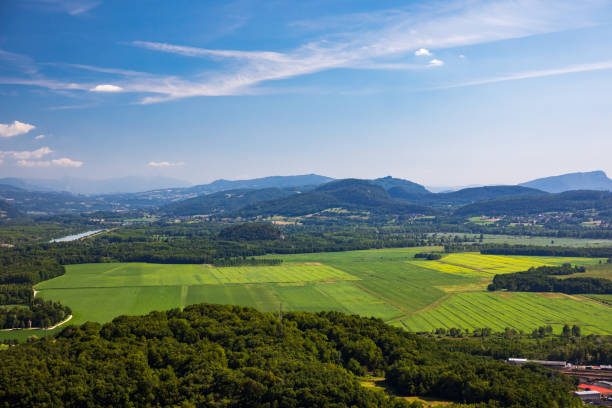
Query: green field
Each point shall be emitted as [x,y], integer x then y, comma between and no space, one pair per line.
[389,284]
[501,310]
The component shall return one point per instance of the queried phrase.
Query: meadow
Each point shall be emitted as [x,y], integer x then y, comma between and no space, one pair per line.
[388,284]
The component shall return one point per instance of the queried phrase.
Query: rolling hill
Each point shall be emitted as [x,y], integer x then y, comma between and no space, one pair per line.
[464,196]
[389,183]
[349,194]
[224,201]
[569,201]
[594,180]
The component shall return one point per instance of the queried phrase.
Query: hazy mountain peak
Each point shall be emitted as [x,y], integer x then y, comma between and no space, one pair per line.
[592,180]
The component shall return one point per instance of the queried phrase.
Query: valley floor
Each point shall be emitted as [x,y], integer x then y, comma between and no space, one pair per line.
[389,284]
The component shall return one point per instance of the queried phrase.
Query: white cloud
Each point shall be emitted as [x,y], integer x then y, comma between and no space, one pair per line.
[25,155]
[40,137]
[66,162]
[106,88]
[33,163]
[422,52]
[15,128]
[165,164]
[436,63]
[63,162]
[461,56]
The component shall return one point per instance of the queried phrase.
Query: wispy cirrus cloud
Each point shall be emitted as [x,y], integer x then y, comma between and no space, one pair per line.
[72,7]
[572,69]
[14,129]
[388,39]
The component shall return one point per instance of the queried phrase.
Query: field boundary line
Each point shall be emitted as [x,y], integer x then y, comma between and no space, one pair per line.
[327,295]
[388,301]
[427,308]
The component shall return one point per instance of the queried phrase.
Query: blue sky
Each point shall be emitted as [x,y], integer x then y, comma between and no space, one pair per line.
[441,93]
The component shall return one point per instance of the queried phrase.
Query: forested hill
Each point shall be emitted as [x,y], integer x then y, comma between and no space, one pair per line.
[464,196]
[225,201]
[350,194]
[389,183]
[230,356]
[594,180]
[564,202]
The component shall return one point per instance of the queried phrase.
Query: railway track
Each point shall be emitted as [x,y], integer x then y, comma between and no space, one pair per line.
[589,374]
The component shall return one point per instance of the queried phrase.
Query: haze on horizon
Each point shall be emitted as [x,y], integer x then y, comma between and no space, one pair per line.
[441,93]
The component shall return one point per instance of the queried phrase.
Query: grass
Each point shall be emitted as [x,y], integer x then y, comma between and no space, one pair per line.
[142,274]
[521,311]
[489,265]
[603,270]
[388,284]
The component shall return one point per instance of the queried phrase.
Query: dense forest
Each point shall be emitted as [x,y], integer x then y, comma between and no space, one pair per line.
[229,356]
[541,280]
[540,345]
[250,231]
[19,271]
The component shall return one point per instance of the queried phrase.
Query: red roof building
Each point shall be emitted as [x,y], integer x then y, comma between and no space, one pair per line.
[602,390]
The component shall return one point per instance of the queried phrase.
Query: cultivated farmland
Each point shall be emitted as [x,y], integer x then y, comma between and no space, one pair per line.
[388,284]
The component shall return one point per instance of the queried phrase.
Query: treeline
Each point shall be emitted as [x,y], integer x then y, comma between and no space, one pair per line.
[540,344]
[430,256]
[541,280]
[230,356]
[532,250]
[20,270]
[196,244]
[246,262]
[40,314]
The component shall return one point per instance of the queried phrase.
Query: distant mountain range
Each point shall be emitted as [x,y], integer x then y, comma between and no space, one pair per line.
[265,182]
[130,184]
[311,193]
[593,180]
